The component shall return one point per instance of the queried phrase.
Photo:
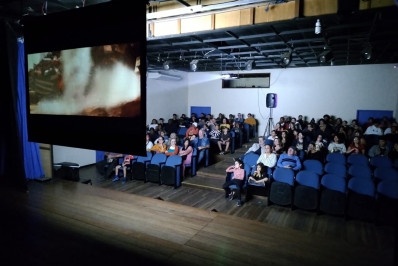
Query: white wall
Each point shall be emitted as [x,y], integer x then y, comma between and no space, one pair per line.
[75,155]
[312,92]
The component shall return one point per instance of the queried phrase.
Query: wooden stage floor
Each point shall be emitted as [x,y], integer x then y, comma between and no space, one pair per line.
[70,223]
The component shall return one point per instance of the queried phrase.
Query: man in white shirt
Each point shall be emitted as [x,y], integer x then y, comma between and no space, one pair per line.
[374,129]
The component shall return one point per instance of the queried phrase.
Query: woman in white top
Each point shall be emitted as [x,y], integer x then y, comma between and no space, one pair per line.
[267,157]
[336,146]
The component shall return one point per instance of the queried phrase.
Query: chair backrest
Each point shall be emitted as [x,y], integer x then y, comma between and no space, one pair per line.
[142,159]
[158,158]
[284,175]
[249,162]
[388,188]
[360,170]
[182,131]
[334,182]
[357,159]
[386,173]
[174,160]
[336,158]
[308,178]
[362,186]
[314,166]
[336,168]
[380,161]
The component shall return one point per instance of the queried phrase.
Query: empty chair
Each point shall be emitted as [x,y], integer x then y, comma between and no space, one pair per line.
[361,201]
[154,167]
[336,158]
[357,159]
[281,187]
[314,166]
[171,171]
[385,173]
[380,161]
[306,191]
[333,194]
[387,202]
[249,162]
[138,168]
[336,168]
[360,170]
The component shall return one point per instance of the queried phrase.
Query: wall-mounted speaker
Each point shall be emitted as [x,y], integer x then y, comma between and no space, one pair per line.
[271,100]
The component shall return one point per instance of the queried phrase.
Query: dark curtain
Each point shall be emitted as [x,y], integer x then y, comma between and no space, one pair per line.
[11,156]
[31,152]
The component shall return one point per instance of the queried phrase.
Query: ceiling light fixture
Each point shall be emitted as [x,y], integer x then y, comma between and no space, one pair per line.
[286,58]
[166,65]
[367,52]
[318,27]
[249,65]
[194,65]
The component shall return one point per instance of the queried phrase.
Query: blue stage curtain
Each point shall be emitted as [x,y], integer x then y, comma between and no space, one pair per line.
[31,152]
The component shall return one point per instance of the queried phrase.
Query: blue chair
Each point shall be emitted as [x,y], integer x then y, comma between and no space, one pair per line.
[171,171]
[357,159]
[281,187]
[181,133]
[385,173]
[336,158]
[154,167]
[138,168]
[333,195]
[336,168]
[306,191]
[360,170]
[361,200]
[249,162]
[387,203]
[380,161]
[314,166]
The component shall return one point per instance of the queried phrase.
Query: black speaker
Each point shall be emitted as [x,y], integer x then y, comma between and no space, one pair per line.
[271,100]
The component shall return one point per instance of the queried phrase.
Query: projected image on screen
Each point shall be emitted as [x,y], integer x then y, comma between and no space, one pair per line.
[91,81]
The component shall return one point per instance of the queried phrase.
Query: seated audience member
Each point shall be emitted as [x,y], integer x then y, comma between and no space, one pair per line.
[284,139]
[277,147]
[171,126]
[126,162]
[259,177]
[356,147]
[186,154]
[159,147]
[203,144]
[239,118]
[225,139]
[312,153]
[272,135]
[301,121]
[393,153]
[162,133]
[267,158]
[251,121]
[321,143]
[301,145]
[380,149]
[107,166]
[173,135]
[154,124]
[374,129]
[289,160]
[310,133]
[149,143]
[296,124]
[215,134]
[172,148]
[153,135]
[257,147]
[238,176]
[192,130]
[225,123]
[337,146]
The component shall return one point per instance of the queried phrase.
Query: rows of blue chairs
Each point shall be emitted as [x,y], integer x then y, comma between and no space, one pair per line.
[161,169]
[353,187]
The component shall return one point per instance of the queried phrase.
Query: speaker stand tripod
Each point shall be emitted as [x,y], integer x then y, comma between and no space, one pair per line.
[270,125]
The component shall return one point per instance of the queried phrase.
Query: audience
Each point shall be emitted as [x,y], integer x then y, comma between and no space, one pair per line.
[380,149]
[225,140]
[235,177]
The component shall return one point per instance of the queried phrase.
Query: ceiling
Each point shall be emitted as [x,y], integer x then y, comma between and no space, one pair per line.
[344,39]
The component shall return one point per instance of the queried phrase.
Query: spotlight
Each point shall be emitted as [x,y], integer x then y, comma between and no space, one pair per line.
[318,27]
[166,65]
[249,65]
[286,58]
[194,65]
[325,56]
[367,52]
